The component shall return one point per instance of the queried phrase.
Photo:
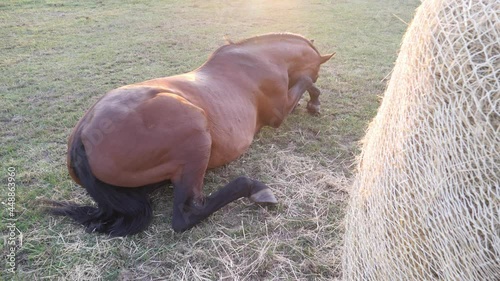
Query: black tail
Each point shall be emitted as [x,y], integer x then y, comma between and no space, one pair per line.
[120,211]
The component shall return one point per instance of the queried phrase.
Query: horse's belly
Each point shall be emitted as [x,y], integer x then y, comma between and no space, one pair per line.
[227,146]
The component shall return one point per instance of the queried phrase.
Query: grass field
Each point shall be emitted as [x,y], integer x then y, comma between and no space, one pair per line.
[59,57]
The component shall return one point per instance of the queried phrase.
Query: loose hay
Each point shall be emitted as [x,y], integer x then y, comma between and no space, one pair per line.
[425,202]
[301,236]
[299,239]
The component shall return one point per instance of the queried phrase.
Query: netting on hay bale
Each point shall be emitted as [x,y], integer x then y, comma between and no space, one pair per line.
[425,203]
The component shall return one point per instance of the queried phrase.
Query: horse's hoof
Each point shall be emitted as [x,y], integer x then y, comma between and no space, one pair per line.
[264,196]
[313,108]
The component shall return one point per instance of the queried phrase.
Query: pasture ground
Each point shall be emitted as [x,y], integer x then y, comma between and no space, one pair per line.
[58,57]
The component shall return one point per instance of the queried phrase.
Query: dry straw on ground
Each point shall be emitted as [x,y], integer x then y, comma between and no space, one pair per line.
[299,239]
[426,200]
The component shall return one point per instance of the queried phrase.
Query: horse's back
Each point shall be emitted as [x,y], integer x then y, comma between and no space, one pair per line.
[137,135]
[230,107]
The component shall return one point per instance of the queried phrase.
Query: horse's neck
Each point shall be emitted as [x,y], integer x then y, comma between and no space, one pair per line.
[251,56]
[279,52]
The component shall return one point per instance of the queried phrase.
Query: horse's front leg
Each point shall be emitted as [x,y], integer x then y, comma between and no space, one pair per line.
[296,91]
[287,103]
[314,104]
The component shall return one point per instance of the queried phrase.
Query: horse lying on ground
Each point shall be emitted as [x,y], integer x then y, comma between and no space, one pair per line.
[173,129]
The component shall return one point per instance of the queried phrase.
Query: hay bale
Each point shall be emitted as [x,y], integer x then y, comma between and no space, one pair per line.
[425,202]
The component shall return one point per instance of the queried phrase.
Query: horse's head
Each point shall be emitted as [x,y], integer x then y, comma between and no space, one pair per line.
[307,62]
[303,71]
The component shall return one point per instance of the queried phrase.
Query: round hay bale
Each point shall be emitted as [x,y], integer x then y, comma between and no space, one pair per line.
[425,203]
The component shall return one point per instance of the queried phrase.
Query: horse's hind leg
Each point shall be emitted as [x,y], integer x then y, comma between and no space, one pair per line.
[191,206]
[188,213]
[189,159]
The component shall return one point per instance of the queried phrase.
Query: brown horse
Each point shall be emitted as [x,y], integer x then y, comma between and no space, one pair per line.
[143,135]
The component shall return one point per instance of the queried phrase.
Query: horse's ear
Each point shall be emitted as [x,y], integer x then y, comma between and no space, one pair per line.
[325,58]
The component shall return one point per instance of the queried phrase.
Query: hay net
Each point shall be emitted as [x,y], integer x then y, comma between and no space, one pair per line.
[425,201]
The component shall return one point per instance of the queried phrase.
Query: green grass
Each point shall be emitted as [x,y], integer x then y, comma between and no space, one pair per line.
[58,57]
